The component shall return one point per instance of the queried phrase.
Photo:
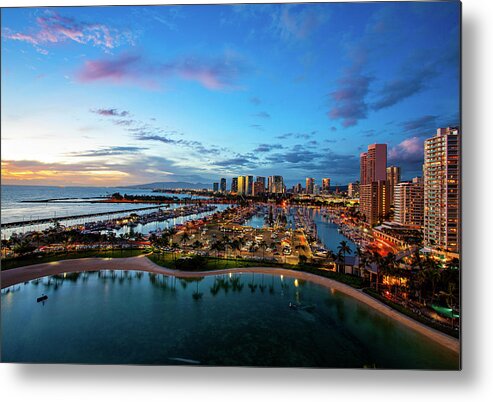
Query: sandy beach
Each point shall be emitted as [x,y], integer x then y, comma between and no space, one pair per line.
[141,263]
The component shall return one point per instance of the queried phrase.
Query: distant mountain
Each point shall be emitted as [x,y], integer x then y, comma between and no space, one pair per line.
[172,185]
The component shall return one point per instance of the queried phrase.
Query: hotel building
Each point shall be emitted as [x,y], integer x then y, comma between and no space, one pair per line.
[353,190]
[310,183]
[234,185]
[325,185]
[409,203]
[442,190]
[393,177]
[374,191]
[258,188]
[241,185]
[275,184]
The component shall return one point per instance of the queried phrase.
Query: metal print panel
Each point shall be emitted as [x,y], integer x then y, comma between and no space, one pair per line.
[265,185]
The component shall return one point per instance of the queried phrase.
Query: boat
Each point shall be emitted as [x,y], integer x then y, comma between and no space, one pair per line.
[42,298]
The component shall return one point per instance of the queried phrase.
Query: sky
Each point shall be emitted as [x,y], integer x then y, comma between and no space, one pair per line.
[104,96]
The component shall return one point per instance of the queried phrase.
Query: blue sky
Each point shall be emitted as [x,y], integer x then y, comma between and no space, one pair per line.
[116,95]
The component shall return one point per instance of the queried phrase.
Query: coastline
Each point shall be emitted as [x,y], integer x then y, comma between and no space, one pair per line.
[141,263]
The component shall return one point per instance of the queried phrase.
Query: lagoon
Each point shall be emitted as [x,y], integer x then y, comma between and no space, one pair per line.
[122,317]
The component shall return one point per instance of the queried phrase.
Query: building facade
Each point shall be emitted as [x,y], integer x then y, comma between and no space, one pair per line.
[326,185]
[310,183]
[222,185]
[353,190]
[409,203]
[241,185]
[234,185]
[258,188]
[442,190]
[275,184]
[215,187]
[394,178]
[374,190]
[374,202]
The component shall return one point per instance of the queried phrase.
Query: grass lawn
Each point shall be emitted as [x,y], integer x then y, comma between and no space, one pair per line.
[168,260]
[10,263]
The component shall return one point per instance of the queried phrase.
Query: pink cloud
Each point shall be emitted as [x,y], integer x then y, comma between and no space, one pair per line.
[217,74]
[54,28]
[410,150]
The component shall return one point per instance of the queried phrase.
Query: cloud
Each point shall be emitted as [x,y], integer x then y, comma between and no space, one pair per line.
[410,150]
[134,169]
[263,115]
[262,148]
[110,112]
[196,146]
[257,127]
[221,73]
[348,100]
[235,162]
[399,89]
[304,136]
[256,101]
[423,123]
[108,151]
[298,21]
[125,69]
[54,28]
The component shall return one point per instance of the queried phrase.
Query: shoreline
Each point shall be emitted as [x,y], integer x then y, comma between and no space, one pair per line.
[142,263]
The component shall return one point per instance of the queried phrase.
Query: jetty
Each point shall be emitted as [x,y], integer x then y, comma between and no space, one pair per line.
[33,222]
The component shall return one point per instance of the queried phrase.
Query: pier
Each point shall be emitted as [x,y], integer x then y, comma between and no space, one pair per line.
[33,222]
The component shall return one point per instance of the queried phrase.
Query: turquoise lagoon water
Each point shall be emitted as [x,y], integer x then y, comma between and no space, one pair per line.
[120,317]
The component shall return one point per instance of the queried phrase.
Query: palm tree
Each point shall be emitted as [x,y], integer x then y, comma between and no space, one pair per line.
[171,232]
[377,259]
[263,246]
[363,259]
[184,238]
[235,246]
[226,241]
[344,249]
[433,274]
[216,246]
[389,265]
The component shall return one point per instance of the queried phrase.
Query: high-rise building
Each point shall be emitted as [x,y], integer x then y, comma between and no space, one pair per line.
[310,182]
[241,185]
[316,189]
[374,201]
[393,177]
[409,202]
[223,185]
[261,179]
[275,184]
[442,190]
[234,185]
[298,188]
[374,191]
[258,188]
[326,185]
[353,190]
[373,164]
[249,185]
[215,187]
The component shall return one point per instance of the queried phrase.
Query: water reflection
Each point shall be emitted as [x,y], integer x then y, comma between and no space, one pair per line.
[163,316]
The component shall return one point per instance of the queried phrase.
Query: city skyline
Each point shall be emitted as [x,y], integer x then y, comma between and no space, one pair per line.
[103,99]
